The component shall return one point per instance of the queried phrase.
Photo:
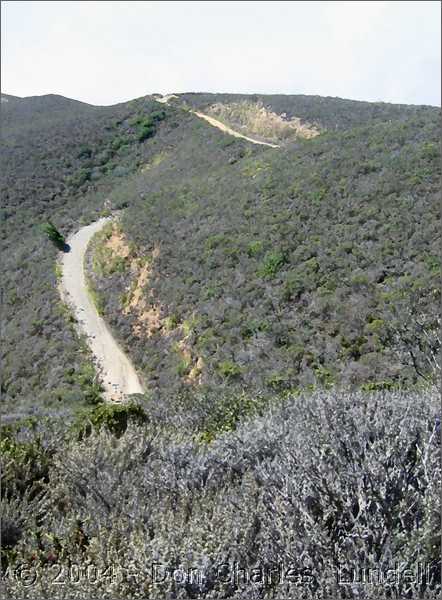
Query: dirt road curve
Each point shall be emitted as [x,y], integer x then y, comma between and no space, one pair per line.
[227,129]
[215,123]
[117,372]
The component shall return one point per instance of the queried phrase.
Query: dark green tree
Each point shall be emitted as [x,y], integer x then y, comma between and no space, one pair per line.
[53,234]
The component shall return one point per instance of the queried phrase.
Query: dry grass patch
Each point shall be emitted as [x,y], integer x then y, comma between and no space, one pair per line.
[253,118]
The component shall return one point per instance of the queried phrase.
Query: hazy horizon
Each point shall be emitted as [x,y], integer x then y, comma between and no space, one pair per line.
[104,53]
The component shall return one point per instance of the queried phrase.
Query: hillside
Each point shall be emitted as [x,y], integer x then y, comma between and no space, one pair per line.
[60,160]
[323,114]
[281,307]
[316,264]
[299,262]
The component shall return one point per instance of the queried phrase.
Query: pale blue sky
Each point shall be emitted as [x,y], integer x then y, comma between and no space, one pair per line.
[107,52]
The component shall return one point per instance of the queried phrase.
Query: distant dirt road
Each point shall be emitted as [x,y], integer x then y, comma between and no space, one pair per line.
[227,129]
[118,375]
[215,123]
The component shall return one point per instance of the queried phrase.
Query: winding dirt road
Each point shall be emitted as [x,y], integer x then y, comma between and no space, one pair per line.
[218,124]
[117,373]
[231,131]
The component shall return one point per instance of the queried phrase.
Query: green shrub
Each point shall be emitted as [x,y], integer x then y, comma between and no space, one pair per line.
[312,264]
[113,417]
[146,126]
[86,377]
[255,248]
[293,286]
[183,367]
[145,132]
[158,115]
[279,381]
[79,178]
[84,152]
[325,376]
[430,150]
[273,262]
[229,369]
[119,142]
[228,412]
[53,234]
[376,386]
[375,326]
[25,463]
[97,299]
[118,264]
[253,326]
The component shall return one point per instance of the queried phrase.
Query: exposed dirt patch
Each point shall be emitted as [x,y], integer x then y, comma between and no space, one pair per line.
[136,294]
[114,251]
[166,99]
[191,366]
[117,243]
[148,317]
[196,371]
[148,322]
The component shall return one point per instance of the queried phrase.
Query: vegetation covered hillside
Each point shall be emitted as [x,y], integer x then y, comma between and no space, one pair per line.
[281,306]
[315,113]
[61,159]
[316,264]
[243,267]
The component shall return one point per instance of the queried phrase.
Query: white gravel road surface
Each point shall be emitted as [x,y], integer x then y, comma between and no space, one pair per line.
[118,375]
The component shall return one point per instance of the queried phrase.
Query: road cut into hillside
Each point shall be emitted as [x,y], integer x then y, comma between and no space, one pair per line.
[231,131]
[218,124]
[118,375]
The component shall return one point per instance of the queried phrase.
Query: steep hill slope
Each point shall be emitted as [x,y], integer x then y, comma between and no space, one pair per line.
[269,269]
[241,280]
[60,160]
[314,264]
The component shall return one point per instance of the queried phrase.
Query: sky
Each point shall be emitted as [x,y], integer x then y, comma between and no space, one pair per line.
[107,52]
